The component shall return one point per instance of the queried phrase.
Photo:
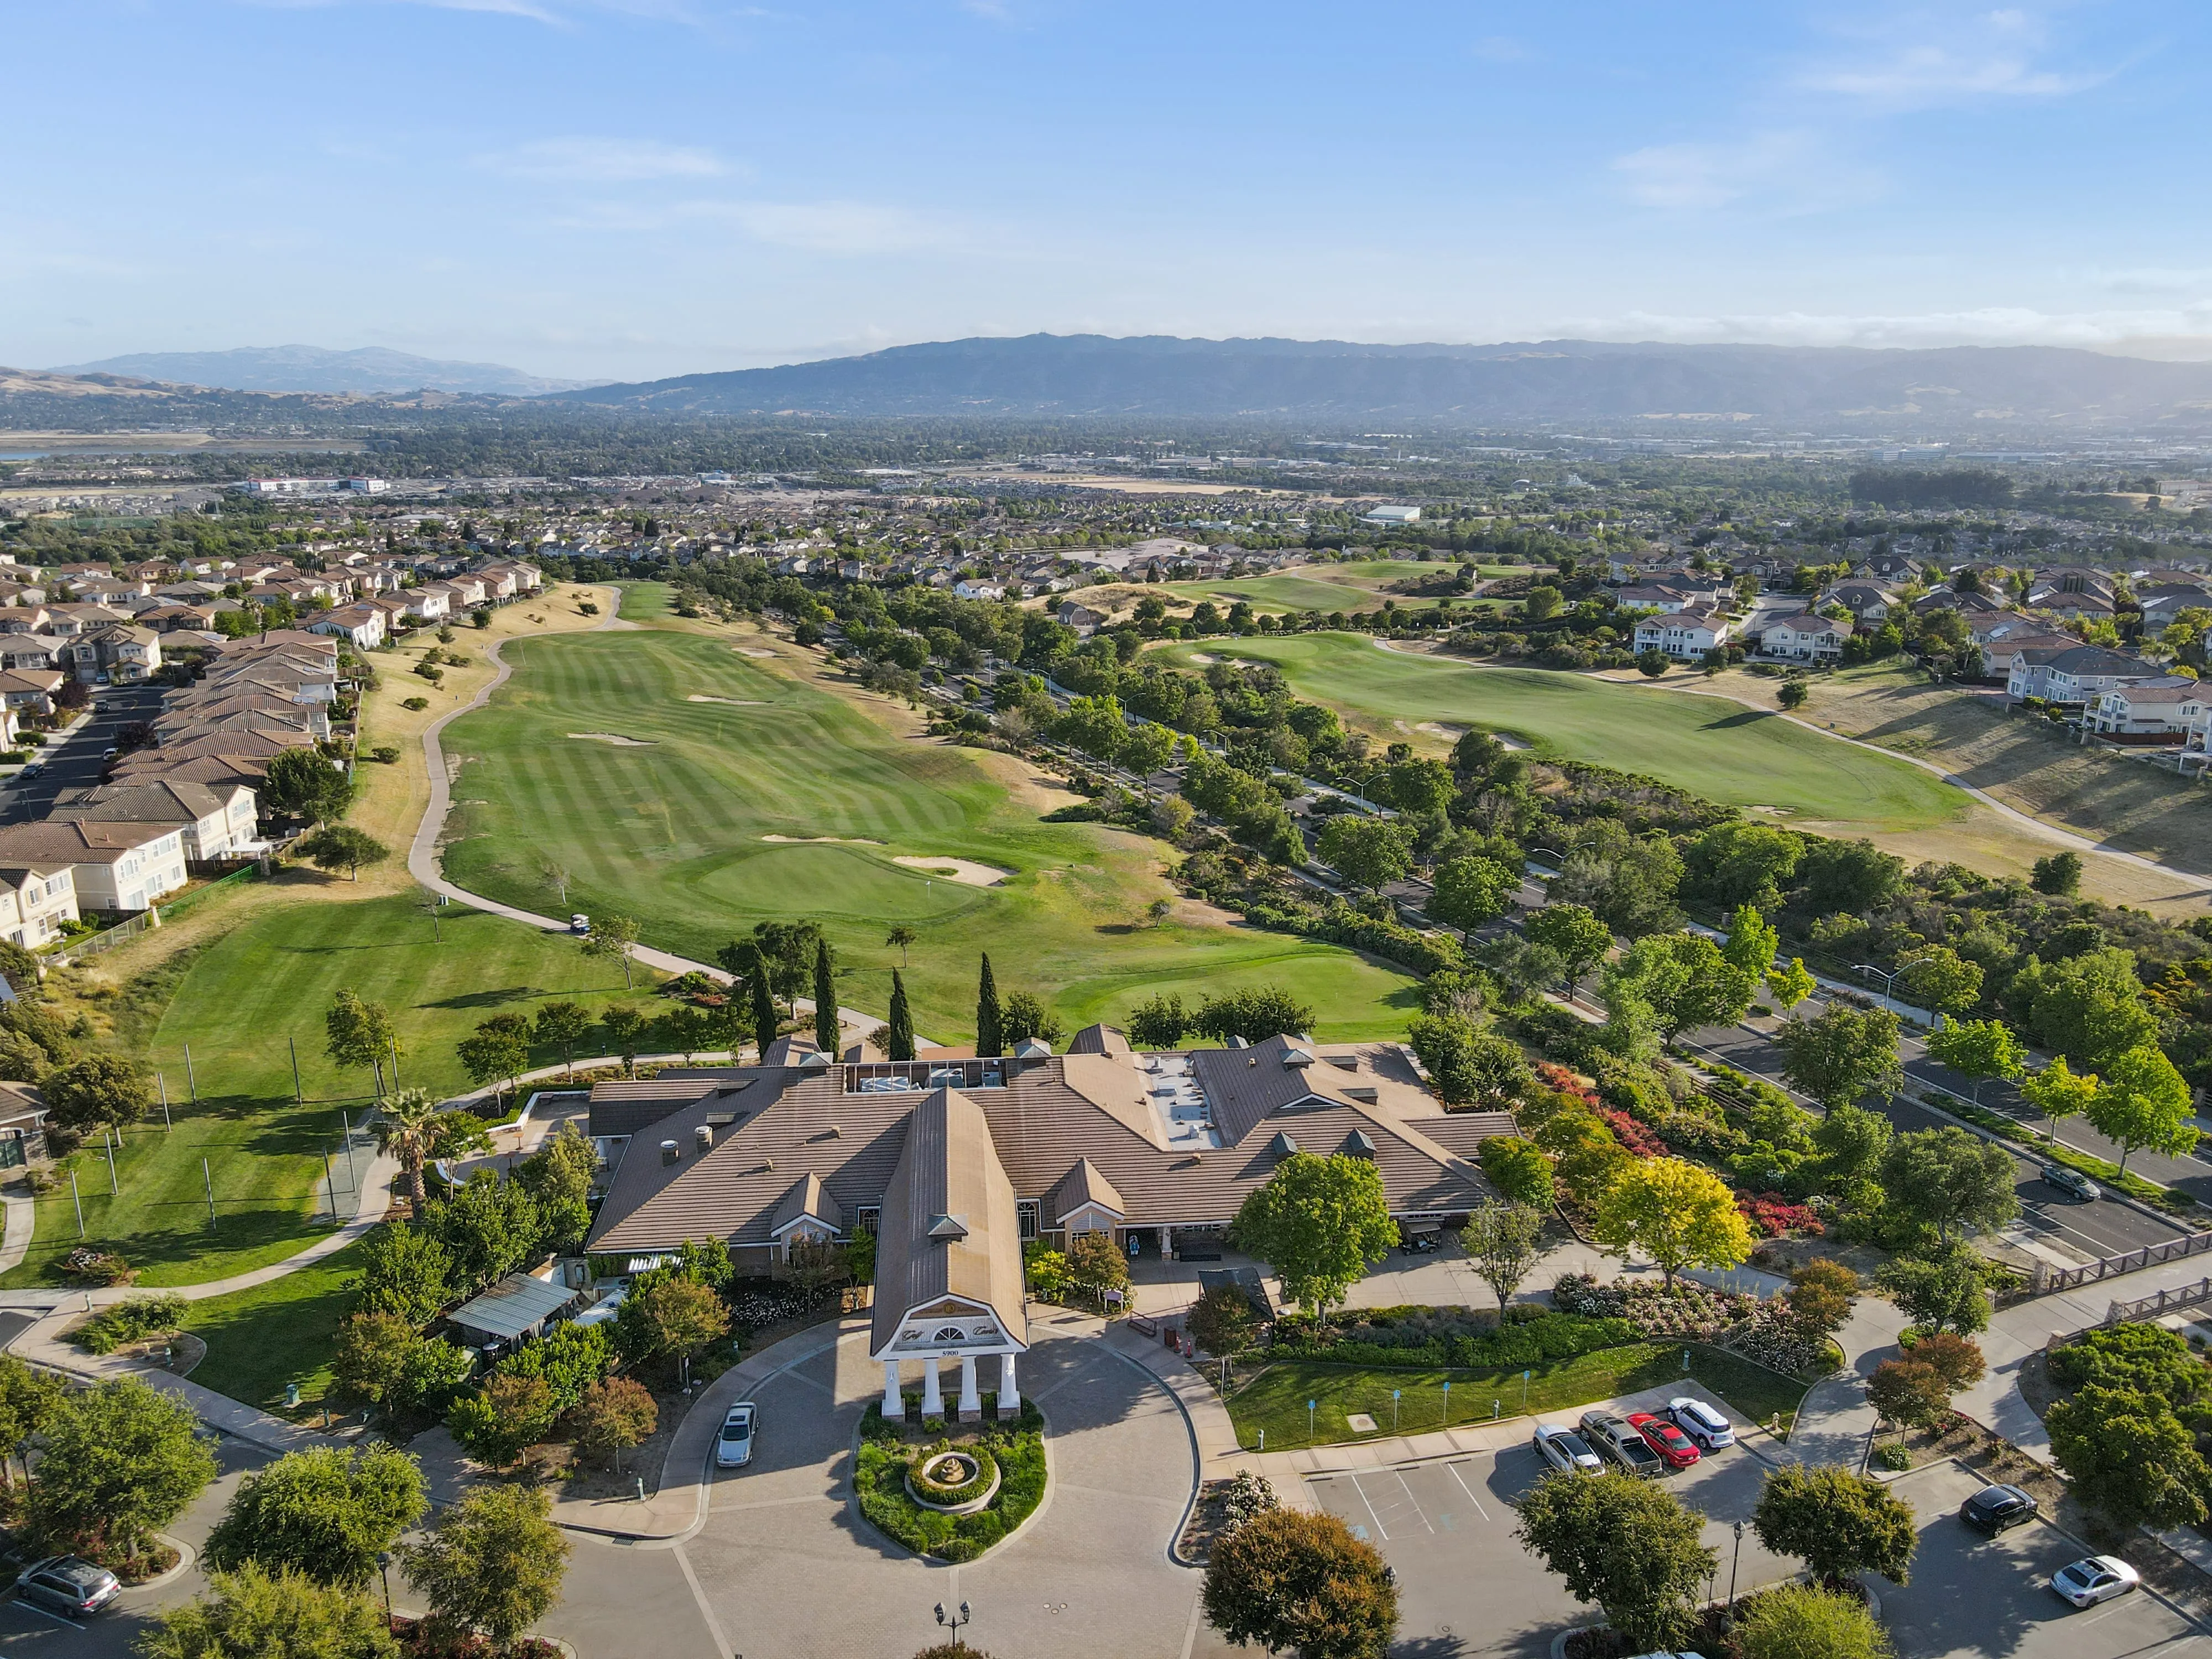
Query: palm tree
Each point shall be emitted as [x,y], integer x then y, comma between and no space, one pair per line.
[902,936]
[411,1126]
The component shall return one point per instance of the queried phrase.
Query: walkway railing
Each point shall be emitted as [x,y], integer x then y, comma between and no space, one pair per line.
[2149,1307]
[2048,1278]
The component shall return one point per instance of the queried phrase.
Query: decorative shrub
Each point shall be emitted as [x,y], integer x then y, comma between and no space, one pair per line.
[1632,1134]
[879,1477]
[130,1322]
[1433,1337]
[91,1267]
[1775,1215]
[956,1492]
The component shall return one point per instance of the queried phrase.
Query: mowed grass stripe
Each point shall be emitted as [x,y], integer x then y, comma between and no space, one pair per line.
[1710,745]
[672,835]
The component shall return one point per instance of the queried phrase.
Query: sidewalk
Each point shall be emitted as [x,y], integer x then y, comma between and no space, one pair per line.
[1834,1421]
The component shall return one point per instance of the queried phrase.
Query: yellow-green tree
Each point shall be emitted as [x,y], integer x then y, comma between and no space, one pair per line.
[1677,1213]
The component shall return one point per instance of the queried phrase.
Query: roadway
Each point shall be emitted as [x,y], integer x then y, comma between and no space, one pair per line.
[74,760]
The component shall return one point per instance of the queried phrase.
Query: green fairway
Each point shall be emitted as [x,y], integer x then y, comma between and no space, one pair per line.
[1361,585]
[672,826]
[1275,1400]
[241,1003]
[1716,748]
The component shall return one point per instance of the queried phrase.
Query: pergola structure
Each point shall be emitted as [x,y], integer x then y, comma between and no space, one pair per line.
[949,1262]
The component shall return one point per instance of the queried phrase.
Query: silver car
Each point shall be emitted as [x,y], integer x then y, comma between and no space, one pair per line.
[733,1446]
[1565,1450]
[2096,1578]
[68,1585]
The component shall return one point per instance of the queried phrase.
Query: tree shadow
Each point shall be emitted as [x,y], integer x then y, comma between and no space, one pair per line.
[488,999]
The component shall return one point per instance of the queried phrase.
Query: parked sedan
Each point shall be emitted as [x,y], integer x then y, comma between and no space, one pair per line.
[1701,1422]
[68,1584]
[733,1447]
[1565,1450]
[1611,1434]
[1677,1449]
[1994,1510]
[2072,1182]
[2096,1578]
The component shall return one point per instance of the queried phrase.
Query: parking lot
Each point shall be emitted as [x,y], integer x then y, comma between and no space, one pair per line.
[1466,1587]
[1981,1596]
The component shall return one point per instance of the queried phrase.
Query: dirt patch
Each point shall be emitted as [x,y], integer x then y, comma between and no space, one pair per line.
[966,871]
[615,738]
[735,703]
[841,841]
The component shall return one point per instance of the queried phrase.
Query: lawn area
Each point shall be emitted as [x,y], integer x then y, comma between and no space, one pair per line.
[259,1339]
[240,1002]
[727,749]
[1725,752]
[1275,1400]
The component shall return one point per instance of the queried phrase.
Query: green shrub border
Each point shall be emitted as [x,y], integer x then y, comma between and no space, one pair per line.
[879,1471]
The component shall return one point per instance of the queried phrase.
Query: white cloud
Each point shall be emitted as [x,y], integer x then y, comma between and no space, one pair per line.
[1794,170]
[1983,55]
[603,160]
[845,228]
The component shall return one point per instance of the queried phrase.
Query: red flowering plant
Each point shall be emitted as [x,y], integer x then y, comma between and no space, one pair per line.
[1638,1139]
[1775,1215]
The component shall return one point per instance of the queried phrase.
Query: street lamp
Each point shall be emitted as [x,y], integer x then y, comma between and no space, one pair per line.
[953,1621]
[1887,980]
[384,1567]
[1736,1563]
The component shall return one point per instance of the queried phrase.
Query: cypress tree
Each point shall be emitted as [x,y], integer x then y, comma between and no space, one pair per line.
[901,1021]
[825,999]
[990,1027]
[765,1018]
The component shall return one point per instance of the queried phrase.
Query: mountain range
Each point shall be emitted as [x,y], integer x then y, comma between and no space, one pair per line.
[370,372]
[1552,381]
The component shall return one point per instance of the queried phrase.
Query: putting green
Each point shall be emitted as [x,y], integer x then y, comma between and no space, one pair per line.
[672,831]
[1718,749]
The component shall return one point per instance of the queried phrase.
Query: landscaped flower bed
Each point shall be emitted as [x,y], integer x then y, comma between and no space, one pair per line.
[1012,1453]
[1653,1310]
[953,1479]
[1775,1215]
[1460,1338]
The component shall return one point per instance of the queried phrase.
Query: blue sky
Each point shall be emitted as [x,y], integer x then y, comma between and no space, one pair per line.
[630,188]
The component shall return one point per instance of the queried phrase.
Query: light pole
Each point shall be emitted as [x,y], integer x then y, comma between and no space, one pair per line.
[1887,980]
[384,1567]
[955,1620]
[1733,1564]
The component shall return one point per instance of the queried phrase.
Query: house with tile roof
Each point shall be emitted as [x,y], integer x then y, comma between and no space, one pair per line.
[953,1161]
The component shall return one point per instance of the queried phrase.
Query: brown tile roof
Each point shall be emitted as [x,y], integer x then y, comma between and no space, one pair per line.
[1098,1040]
[1080,1186]
[950,1225]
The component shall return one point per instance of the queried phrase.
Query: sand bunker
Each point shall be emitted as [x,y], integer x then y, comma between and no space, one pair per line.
[735,703]
[1439,728]
[963,871]
[615,738]
[843,840]
[745,651]
[1200,658]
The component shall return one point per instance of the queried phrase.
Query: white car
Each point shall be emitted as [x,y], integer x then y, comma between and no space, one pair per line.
[2096,1578]
[733,1446]
[1565,1450]
[1704,1425]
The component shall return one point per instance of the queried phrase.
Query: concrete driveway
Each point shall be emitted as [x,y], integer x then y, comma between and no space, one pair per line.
[785,1566]
[1991,1598]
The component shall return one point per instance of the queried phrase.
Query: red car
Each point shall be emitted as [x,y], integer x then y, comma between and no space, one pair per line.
[1670,1442]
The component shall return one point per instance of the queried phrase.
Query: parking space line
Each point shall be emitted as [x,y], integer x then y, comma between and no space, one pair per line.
[1410,1499]
[1469,1491]
[1372,1516]
[33,1606]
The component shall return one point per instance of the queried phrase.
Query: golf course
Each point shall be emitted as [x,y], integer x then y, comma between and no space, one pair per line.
[702,783]
[1716,748]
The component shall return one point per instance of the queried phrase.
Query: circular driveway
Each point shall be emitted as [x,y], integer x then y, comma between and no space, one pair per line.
[789,1568]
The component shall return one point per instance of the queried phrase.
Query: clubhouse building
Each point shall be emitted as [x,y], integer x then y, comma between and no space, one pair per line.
[954,1163]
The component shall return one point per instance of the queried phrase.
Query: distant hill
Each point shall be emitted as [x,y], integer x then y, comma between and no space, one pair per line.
[369,372]
[1552,381]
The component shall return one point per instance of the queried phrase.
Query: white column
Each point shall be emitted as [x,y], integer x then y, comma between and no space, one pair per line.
[971,1403]
[932,1398]
[1010,1397]
[894,1401]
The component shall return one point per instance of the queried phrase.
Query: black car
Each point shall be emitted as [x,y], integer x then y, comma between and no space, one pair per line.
[1994,1510]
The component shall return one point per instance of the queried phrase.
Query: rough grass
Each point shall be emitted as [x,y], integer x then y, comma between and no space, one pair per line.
[1741,757]
[242,999]
[672,833]
[1275,1400]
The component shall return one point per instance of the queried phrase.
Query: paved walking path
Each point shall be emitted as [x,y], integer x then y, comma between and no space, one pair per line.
[22,1214]
[1834,1421]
